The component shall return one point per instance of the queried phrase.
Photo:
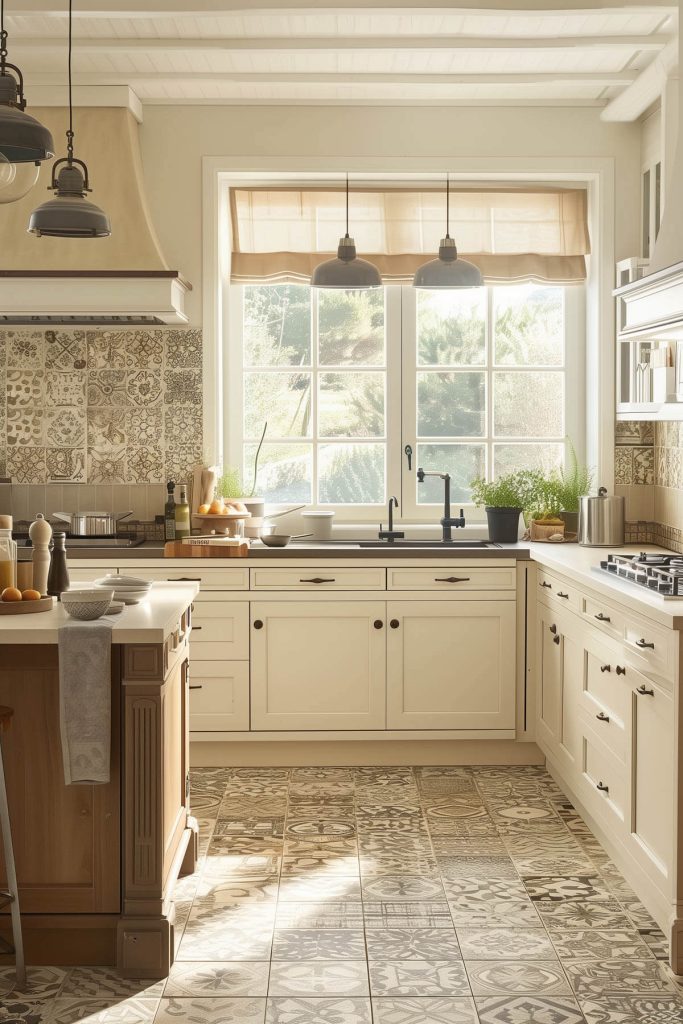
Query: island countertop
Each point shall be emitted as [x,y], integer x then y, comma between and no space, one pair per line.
[148,622]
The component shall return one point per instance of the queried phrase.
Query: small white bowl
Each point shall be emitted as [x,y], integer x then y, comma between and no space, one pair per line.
[87,604]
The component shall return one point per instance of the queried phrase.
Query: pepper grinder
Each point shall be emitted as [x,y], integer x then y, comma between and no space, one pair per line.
[58,578]
[40,533]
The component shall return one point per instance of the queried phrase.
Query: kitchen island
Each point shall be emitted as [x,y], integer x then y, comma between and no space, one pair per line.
[97,863]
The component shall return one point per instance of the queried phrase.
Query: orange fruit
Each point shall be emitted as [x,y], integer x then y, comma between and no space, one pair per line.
[30,595]
[203,509]
[10,594]
[216,508]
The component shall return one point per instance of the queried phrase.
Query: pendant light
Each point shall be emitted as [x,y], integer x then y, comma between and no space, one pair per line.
[447,271]
[346,270]
[24,142]
[69,214]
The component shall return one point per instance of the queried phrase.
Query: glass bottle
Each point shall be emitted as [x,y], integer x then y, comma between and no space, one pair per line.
[169,512]
[182,515]
[58,579]
[8,554]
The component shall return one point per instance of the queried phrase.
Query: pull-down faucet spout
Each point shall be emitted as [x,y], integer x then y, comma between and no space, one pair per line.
[447,521]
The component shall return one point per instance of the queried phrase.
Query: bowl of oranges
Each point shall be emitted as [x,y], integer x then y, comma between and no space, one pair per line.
[16,602]
[222,517]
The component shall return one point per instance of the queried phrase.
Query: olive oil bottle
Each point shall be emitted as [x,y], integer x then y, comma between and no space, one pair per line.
[169,512]
[182,515]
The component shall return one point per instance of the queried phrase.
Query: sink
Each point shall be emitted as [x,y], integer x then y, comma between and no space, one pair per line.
[439,544]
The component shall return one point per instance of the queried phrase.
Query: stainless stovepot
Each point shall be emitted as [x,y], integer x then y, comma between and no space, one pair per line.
[92,524]
[601,520]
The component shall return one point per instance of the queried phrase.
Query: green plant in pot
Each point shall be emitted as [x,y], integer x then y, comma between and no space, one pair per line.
[504,500]
[544,510]
[230,487]
[573,481]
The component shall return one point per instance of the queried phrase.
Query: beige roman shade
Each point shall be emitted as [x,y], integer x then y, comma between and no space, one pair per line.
[280,235]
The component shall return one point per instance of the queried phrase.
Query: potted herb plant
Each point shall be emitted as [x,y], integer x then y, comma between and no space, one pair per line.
[504,500]
[573,481]
[231,489]
[544,512]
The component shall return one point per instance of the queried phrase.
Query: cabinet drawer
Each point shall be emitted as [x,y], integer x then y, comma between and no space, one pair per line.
[209,578]
[604,617]
[605,700]
[650,647]
[219,696]
[558,590]
[318,578]
[602,769]
[453,578]
[220,629]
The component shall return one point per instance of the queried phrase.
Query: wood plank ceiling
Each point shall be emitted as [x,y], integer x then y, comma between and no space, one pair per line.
[578,52]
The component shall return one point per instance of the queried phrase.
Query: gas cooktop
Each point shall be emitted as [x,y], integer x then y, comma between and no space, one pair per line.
[660,574]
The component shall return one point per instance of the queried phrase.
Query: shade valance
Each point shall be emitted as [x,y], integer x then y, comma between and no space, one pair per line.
[512,235]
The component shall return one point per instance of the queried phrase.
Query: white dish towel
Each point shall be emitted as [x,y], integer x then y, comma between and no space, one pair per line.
[85,701]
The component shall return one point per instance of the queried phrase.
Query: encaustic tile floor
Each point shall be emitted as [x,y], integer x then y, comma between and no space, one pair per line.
[386,896]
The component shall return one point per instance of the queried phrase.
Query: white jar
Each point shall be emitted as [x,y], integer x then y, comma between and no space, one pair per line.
[318,524]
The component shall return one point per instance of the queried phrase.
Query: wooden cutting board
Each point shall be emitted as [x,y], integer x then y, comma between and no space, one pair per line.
[26,607]
[176,549]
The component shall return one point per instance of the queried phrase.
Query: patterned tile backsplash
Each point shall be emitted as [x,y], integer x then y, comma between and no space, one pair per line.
[648,457]
[104,407]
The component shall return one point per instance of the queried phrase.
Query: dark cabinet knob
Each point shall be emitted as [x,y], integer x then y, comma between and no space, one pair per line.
[394,623]
[605,668]
[553,628]
[621,671]
[560,594]
[258,623]
[378,623]
[602,618]
[451,579]
[196,687]
[602,787]
[546,585]
[556,639]
[319,579]
[644,643]
[602,717]
[645,691]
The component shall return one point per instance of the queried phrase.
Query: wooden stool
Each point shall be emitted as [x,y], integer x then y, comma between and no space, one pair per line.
[11,895]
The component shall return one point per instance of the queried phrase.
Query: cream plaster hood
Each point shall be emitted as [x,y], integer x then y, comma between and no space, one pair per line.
[122,279]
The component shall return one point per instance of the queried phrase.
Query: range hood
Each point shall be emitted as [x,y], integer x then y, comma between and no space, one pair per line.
[123,279]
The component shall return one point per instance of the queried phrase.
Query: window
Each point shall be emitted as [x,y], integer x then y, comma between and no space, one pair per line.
[477,382]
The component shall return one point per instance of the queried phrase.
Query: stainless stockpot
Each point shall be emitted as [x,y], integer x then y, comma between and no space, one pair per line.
[92,524]
[601,520]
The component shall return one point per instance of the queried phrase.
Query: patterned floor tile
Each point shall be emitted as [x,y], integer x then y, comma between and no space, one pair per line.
[418,978]
[327,847]
[218,979]
[16,1010]
[511,977]
[594,944]
[608,916]
[407,915]
[320,830]
[505,944]
[319,944]
[468,913]
[477,867]
[656,941]
[557,889]
[212,1010]
[42,982]
[390,864]
[638,914]
[101,982]
[322,888]
[556,864]
[615,977]
[234,889]
[412,944]
[319,978]
[319,915]
[339,1010]
[318,862]
[401,887]
[225,944]
[483,890]
[528,1010]
[424,1011]
[104,1011]
[633,1010]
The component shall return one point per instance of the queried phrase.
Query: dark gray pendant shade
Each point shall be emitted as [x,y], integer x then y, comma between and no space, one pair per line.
[346,270]
[447,271]
[69,214]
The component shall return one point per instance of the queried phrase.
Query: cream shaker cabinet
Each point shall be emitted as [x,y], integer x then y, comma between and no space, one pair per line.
[652,775]
[451,664]
[318,665]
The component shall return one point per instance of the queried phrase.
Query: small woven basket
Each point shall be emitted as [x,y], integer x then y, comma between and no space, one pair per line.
[542,531]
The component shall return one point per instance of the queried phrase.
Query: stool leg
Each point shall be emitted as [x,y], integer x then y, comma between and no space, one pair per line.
[11,880]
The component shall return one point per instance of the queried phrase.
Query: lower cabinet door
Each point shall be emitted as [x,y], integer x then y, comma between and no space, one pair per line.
[219,696]
[318,665]
[451,665]
[549,661]
[652,797]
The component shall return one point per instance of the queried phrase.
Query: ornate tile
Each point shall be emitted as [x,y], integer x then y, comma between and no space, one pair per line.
[612,977]
[182,387]
[327,848]
[307,916]
[474,913]
[302,1010]
[418,978]
[225,944]
[553,864]
[24,389]
[319,944]
[145,425]
[227,891]
[557,889]
[143,387]
[97,982]
[439,1010]
[184,349]
[528,1010]
[257,828]
[434,914]
[19,1010]
[319,862]
[107,387]
[42,982]
[24,349]
[145,465]
[606,915]
[218,979]
[593,944]
[501,890]
[65,427]
[132,1010]
[144,349]
[320,889]
[319,978]
[390,864]
[181,460]
[107,465]
[65,388]
[403,888]
[478,866]
[623,465]
[412,944]
[320,829]
[106,427]
[641,1009]
[65,350]
[500,977]
[65,464]
[212,1010]
[505,944]
[26,465]
[24,427]
[106,350]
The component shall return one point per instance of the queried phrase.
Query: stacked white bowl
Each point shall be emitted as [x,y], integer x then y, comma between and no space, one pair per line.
[128,589]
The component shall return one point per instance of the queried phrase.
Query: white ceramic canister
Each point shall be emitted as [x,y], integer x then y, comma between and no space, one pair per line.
[318,524]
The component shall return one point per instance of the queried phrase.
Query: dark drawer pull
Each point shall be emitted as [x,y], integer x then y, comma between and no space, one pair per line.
[183,579]
[196,687]
[318,579]
[394,623]
[547,585]
[602,787]
[258,624]
[605,668]
[644,643]
[451,579]
[195,628]
[378,623]
[602,618]
[556,639]
[645,691]
[560,594]
[553,628]
[602,717]
[621,671]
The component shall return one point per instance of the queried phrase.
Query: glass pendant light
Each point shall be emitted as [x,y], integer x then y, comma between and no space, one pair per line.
[69,214]
[346,270]
[24,142]
[447,271]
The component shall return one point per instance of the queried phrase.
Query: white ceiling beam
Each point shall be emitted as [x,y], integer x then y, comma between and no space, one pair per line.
[335,43]
[180,8]
[92,96]
[646,89]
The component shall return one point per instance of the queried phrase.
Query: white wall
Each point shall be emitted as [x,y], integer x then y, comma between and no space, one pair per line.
[175,138]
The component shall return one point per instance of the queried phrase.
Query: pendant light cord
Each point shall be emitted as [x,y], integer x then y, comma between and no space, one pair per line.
[70,132]
[3,38]
[448,205]
[347,205]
